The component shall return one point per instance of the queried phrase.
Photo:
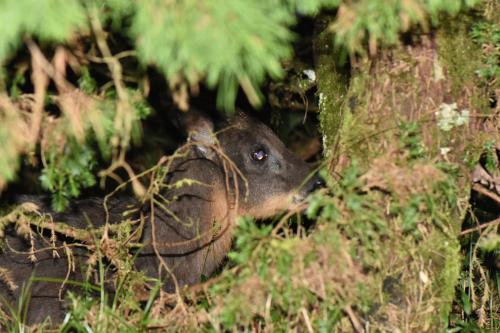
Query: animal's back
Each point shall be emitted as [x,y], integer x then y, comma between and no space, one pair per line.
[187,224]
[35,266]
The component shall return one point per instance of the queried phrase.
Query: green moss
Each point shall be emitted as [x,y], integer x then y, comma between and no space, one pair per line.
[332,85]
[461,58]
[387,125]
[448,273]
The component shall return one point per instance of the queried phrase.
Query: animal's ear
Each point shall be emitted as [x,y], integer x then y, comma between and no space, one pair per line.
[200,129]
[240,119]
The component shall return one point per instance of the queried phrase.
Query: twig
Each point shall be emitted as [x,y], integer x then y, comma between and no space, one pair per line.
[111,61]
[62,85]
[354,319]
[44,221]
[307,321]
[124,112]
[121,55]
[70,99]
[40,82]
[480,227]
[487,193]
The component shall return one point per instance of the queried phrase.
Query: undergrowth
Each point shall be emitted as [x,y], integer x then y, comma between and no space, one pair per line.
[384,253]
[362,265]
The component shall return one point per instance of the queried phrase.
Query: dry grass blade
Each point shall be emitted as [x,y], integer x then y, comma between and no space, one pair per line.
[480,227]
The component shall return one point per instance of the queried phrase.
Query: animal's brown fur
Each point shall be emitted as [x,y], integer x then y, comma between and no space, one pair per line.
[190,238]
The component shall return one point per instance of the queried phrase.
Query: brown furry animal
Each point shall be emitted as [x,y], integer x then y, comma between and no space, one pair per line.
[243,170]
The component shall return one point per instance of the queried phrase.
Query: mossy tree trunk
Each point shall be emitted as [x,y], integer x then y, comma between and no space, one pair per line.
[413,121]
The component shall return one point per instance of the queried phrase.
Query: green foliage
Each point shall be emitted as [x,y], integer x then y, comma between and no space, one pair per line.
[19,79]
[250,235]
[52,20]
[71,169]
[412,230]
[86,82]
[9,160]
[381,21]
[487,35]
[67,173]
[228,44]
[319,205]
[490,162]
[281,269]
[411,139]
[479,287]
[490,243]
[312,7]
[235,42]
[410,215]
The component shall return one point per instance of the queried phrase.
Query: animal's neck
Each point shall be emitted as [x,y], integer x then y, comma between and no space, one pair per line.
[219,246]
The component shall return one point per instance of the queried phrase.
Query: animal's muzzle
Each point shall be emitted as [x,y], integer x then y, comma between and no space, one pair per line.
[314,183]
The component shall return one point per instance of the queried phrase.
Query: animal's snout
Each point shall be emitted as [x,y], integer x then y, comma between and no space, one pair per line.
[315,183]
[318,183]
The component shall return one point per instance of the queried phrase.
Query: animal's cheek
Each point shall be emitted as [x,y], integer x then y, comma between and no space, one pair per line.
[268,204]
[266,186]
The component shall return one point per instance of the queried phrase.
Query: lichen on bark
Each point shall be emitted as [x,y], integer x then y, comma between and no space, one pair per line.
[332,83]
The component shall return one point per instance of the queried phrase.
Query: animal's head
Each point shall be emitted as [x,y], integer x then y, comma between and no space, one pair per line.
[275,177]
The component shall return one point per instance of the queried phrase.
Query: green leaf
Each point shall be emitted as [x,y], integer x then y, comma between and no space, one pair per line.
[466,303]
[66,174]
[226,42]
[50,20]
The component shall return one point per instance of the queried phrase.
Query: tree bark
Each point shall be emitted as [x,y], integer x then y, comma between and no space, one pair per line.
[389,120]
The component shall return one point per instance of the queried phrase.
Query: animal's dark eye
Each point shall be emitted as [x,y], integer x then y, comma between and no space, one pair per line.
[259,155]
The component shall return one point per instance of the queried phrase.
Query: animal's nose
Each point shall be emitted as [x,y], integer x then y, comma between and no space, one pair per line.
[315,183]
